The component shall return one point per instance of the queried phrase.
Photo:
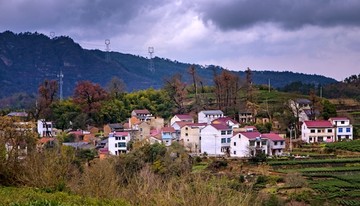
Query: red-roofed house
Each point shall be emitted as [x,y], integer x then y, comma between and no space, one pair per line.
[181,118]
[276,144]
[227,121]
[246,144]
[317,131]
[215,139]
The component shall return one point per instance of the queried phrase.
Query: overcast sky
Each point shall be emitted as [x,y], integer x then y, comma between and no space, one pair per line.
[308,36]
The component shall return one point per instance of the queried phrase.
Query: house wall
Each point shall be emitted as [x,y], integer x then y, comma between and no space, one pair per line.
[211,141]
[204,118]
[276,147]
[190,136]
[114,140]
[239,146]
[312,137]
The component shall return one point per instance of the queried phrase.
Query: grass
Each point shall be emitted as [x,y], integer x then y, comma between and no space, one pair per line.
[199,167]
[32,196]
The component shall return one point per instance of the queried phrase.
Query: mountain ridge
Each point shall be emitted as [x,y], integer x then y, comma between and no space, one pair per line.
[27,59]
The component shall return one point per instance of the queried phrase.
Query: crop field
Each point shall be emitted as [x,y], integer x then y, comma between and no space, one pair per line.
[334,181]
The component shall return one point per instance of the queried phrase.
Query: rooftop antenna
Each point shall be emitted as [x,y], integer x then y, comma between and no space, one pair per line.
[151,61]
[61,75]
[107,56]
[52,34]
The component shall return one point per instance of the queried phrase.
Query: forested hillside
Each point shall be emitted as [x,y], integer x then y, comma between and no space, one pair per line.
[26,59]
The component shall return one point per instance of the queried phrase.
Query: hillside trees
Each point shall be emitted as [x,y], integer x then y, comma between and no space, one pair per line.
[116,87]
[89,97]
[227,86]
[47,94]
[177,91]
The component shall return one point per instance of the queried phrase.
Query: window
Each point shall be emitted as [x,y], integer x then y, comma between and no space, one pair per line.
[239,136]
[186,128]
[121,144]
[263,142]
[186,134]
[223,132]
[312,131]
[228,132]
[329,130]
[319,131]
[310,139]
[123,138]
[115,144]
[199,138]
[342,122]
[282,143]
[234,143]
[275,143]
[116,138]
[252,143]
[340,129]
[223,140]
[187,139]
[141,129]
[347,129]
[228,140]
[234,152]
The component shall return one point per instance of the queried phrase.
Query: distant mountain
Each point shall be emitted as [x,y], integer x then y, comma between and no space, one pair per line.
[26,59]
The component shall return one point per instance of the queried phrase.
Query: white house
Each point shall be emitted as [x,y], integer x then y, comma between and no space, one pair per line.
[215,139]
[343,128]
[181,118]
[118,142]
[240,144]
[45,128]
[317,131]
[209,115]
[276,144]
[190,136]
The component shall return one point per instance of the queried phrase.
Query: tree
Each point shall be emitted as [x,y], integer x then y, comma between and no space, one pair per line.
[64,113]
[116,87]
[227,85]
[329,110]
[46,96]
[89,96]
[16,140]
[176,89]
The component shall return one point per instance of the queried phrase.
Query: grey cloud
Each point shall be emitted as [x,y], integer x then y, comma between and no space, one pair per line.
[289,14]
[84,15]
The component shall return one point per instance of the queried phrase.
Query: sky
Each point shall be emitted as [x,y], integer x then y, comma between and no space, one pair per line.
[307,36]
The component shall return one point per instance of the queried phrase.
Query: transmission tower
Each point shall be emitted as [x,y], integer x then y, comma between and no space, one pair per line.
[61,75]
[151,61]
[107,44]
[52,35]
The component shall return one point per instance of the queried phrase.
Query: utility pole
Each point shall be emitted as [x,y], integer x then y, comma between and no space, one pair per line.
[151,61]
[291,146]
[61,75]
[107,43]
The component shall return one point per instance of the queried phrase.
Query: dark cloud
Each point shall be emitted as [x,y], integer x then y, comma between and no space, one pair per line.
[289,14]
[82,15]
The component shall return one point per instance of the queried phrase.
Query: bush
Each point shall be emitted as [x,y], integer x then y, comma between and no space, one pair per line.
[218,164]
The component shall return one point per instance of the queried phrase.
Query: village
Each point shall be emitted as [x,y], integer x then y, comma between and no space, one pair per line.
[212,134]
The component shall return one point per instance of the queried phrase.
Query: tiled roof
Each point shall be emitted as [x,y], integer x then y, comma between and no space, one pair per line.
[45,140]
[168,129]
[196,125]
[17,114]
[318,123]
[303,101]
[272,136]
[339,118]
[121,133]
[184,116]
[181,123]
[212,112]
[141,111]
[224,120]
[220,126]
[251,135]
